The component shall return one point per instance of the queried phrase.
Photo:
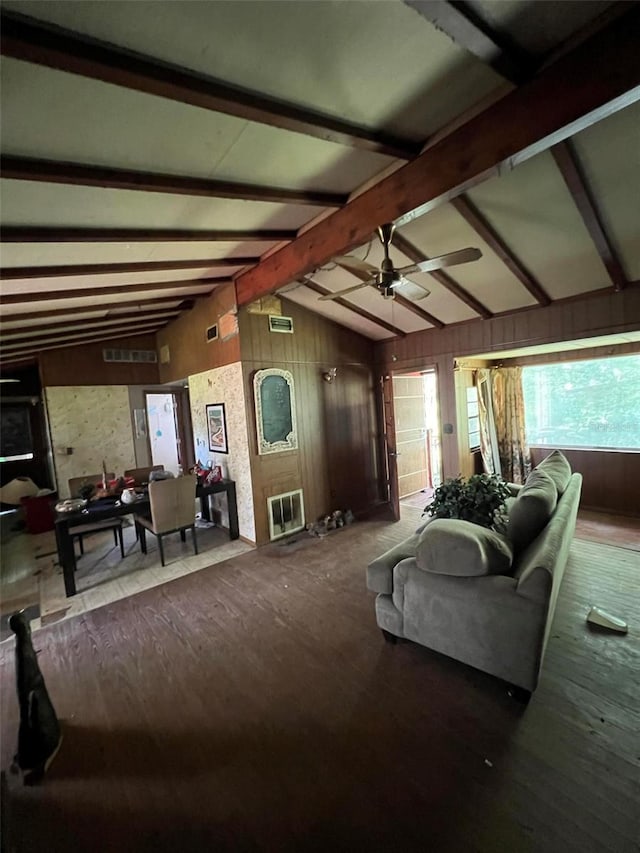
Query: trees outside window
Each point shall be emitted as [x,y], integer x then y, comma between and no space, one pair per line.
[593,403]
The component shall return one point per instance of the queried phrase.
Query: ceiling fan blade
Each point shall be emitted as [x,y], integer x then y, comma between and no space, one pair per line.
[426,292]
[462,256]
[349,263]
[348,290]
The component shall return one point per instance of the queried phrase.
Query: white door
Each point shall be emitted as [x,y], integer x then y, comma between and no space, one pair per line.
[163,434]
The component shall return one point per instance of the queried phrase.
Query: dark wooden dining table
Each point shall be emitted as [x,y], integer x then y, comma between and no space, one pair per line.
[113,507]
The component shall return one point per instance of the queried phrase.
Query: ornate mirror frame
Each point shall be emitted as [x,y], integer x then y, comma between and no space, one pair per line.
[268,386]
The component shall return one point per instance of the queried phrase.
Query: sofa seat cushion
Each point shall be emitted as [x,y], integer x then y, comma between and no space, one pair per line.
[450,546]
[531,510]
[557,466]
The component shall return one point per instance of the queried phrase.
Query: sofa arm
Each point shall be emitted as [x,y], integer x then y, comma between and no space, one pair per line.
[514,489]
[380,570]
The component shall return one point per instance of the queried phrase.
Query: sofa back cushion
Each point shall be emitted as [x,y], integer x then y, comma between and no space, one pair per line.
[557,466]
[449,546]
[531,510]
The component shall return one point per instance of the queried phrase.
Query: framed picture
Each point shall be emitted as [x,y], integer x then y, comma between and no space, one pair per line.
[275,404]
[217,428]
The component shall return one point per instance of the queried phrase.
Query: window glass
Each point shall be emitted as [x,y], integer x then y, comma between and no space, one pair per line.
[594,403]
[15,432]
[473,426]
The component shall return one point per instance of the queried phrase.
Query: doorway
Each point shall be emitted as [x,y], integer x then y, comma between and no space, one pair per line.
[168,444]
[417,436]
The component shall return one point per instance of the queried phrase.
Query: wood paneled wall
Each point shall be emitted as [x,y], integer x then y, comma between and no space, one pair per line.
[336,463]
[84,365]
[610,478]
[189,350]
[598,314]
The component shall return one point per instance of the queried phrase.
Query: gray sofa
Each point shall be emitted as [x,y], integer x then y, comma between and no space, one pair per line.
[485,599]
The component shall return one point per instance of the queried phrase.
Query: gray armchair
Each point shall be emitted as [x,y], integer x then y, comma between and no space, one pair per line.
[172,511]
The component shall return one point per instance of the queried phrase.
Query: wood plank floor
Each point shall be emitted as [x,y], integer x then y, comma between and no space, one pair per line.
[254,706]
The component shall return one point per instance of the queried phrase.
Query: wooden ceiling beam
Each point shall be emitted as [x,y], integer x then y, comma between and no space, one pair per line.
[56,234]
[355,309]
[125,330]
[414,254]
[30,40]
[86,175]
[68,270]
[568,96]
[483,229]
[44,329]
[567,162]
[116,290]
[469,31]
[161,304]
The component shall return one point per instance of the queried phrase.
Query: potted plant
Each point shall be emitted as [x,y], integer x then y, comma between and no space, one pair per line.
[480,499]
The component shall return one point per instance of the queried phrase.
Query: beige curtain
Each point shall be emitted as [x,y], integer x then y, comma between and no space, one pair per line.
[488,438]
[508,410]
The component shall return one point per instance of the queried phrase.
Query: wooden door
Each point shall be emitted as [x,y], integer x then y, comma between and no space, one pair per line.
[390,448]
[412,438]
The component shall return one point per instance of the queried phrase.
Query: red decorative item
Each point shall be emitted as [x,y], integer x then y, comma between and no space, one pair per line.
[214,475]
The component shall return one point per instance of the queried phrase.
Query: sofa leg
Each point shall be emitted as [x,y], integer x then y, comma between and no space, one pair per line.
[389,637]
[519,694]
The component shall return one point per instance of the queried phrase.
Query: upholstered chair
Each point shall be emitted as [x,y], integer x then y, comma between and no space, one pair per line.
[142,475]
[78,531]
[172,504]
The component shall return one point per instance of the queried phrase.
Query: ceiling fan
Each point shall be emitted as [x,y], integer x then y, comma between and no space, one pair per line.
[388,277]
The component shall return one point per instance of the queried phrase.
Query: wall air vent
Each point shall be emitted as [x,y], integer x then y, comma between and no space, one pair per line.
[130,355]
[212,333]
[285,513]
[280,324]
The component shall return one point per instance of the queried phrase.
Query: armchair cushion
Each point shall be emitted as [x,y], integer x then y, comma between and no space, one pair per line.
[531,510]
[450,546]
[557,466]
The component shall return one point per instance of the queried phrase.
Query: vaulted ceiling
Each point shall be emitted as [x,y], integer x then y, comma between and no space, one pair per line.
[152,151]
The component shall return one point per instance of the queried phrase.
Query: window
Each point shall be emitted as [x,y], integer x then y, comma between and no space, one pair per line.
[15,433]
[594,403]
[473,421]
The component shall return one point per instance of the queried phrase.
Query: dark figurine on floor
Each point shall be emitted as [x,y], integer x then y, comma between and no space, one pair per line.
[39,735]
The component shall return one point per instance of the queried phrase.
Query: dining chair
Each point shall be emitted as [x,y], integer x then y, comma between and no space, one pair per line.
[78,531]
[142,475]
[172,505]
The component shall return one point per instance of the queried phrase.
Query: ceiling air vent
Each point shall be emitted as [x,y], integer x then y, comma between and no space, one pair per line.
[129,355]
[212,333]
[280,324]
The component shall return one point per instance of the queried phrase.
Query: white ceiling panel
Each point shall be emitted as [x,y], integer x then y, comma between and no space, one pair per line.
[532,210]
[97,123]
[53,254]
[83,282]
[87,301]
[34,203]
[609,153]
[100,322]
[444,230]
[328,53]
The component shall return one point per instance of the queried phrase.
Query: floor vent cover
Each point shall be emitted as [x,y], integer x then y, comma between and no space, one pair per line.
[286,514]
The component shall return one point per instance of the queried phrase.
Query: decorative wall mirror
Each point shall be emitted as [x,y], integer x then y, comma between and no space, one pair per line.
[275,411]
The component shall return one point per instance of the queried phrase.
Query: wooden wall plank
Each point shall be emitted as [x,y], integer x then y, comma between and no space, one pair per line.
[186,338]
[336,462]
[85,365]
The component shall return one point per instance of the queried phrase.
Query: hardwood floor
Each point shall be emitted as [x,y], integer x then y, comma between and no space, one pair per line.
[254,706]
